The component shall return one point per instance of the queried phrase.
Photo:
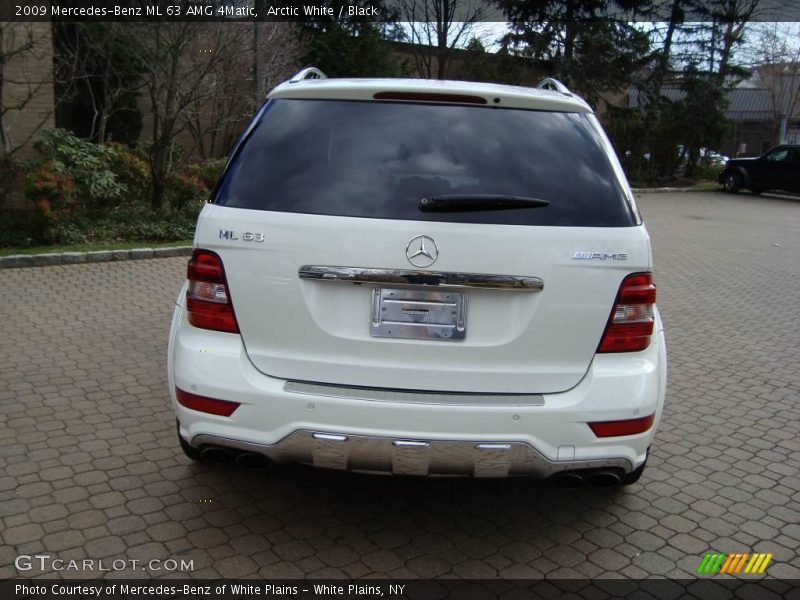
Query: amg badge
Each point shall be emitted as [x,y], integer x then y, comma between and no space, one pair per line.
[600,256]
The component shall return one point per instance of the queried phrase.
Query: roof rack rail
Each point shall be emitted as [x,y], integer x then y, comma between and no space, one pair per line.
[553,84]
[307,73]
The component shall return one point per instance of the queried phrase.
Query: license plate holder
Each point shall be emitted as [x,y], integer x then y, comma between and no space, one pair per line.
[419,314]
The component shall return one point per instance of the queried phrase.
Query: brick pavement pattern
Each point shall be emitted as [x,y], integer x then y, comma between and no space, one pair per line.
[90,466]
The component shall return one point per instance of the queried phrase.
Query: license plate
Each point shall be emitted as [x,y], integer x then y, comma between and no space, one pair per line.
[419,314]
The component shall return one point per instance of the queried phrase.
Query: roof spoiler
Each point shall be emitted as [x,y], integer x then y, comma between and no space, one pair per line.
[553,85]
[307,73]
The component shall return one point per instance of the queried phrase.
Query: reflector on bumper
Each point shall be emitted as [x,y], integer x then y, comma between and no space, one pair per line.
[617,428]
[222,408]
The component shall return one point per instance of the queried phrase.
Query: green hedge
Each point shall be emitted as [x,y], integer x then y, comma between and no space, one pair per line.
[86,193]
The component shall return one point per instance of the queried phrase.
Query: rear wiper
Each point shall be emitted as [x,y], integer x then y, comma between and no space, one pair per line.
[467,202]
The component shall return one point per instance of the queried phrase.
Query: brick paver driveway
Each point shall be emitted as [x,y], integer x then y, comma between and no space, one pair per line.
[90,467]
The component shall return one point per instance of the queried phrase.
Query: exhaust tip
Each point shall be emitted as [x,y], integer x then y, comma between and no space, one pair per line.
[604,479]
[217,455]
[567,480]
[252,460]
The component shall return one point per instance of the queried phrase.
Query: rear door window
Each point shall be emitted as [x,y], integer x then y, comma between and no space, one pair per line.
[379,159]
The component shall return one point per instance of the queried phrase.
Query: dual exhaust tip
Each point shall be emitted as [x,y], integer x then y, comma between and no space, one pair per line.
[222,456]
[570,480]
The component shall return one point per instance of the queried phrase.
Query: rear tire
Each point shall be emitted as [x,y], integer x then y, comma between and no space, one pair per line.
[733,182]
[756,191]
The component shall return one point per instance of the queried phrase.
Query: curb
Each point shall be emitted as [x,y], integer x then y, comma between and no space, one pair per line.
[668,190]
[70,258]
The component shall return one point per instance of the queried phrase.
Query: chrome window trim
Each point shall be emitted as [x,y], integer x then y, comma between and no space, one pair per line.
[405,277]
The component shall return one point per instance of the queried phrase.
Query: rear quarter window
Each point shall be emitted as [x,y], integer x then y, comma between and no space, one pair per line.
[379,159]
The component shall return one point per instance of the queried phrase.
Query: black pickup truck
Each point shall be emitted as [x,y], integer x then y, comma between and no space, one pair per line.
[777,169]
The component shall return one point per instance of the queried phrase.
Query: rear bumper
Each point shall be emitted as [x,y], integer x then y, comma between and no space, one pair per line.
[374,454]
[416,433]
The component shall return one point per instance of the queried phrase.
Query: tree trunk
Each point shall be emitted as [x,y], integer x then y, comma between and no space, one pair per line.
[161,158]
[713,49]
[731,35]
[105,105]
[101,129]
[164,130]
[441,60]
[654,84]
[5,142]
[691,162]
[159,163]
[258,64]
[8,180]
[157,191]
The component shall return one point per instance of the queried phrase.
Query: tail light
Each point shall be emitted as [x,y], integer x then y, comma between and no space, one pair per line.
[208,299]
[222,408]
[627,427]
[631,323]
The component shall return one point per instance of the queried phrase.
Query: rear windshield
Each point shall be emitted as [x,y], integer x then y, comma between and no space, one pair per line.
[379,159]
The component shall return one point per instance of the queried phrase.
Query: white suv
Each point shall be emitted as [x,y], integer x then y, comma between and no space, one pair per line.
[421,278]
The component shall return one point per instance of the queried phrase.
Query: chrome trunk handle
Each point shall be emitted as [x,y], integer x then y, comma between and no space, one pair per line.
[405,277]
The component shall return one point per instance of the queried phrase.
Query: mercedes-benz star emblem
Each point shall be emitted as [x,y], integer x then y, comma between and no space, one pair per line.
[422,251]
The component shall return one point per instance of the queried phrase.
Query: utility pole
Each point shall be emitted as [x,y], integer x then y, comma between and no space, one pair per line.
[258,60]
[789,100]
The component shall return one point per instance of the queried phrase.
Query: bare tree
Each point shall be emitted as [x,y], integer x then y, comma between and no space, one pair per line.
[21,46]
[218,109]
[181,63]
[105,62]
[436,27]
[729,20]
[278,54]
[774,56]
[197,77]
[26,91]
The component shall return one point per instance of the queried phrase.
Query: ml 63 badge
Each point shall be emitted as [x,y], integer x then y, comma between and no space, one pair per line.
[247,236]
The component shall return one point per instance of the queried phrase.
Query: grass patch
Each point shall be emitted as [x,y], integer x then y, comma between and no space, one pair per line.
[706,185]
[91,247]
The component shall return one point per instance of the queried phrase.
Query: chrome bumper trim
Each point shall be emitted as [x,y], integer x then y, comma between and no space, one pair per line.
[412,396]
[374,454]
[404,277]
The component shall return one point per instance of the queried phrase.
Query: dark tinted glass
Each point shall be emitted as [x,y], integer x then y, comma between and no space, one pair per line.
[778,155]
[378,159]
